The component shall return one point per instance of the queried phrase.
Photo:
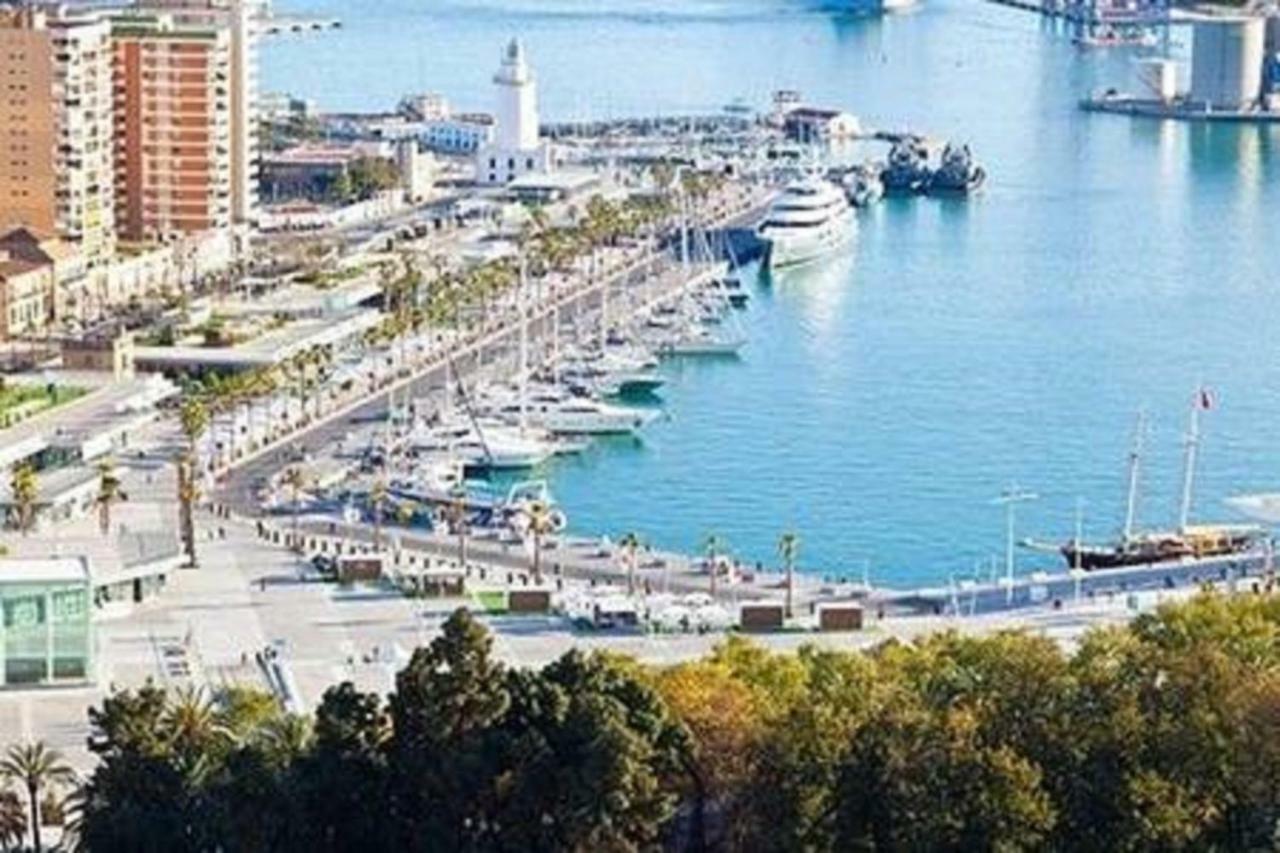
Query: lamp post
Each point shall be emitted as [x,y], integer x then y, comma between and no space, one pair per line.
[1010,498]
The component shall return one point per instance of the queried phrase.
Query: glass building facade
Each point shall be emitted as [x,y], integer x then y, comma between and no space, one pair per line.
[46,633]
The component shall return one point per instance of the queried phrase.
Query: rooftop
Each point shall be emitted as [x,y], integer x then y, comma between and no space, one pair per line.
[29,570]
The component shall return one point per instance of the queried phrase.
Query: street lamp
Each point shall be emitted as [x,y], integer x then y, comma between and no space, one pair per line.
[1010,498]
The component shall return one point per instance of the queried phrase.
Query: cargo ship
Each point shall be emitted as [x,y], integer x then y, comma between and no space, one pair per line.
[1187,540]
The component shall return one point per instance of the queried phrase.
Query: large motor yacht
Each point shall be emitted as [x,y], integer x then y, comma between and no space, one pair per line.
[811,218]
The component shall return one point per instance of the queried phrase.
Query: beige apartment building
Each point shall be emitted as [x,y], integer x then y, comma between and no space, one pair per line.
[172,126]
[56,127]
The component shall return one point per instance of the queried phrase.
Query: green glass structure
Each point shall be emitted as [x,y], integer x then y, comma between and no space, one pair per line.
[46,632]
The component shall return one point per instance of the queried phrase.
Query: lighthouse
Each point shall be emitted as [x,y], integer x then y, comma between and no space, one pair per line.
[516,149]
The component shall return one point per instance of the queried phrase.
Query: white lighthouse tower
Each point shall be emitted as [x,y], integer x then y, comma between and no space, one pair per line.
[516,148]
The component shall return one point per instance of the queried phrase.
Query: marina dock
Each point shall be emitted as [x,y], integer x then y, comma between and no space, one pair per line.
[1094,13]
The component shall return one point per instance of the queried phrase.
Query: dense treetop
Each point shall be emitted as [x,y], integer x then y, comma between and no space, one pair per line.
[1161,735]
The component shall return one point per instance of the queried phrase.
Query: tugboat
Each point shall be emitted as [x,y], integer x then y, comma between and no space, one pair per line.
[863,187]
[1187,541]
[958,174]
[907,172]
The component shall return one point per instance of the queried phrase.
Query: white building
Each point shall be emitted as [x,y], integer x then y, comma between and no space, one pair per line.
[465,133]
[1227,55]
[517,149]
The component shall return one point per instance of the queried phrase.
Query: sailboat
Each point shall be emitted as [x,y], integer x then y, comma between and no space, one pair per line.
[1187,541]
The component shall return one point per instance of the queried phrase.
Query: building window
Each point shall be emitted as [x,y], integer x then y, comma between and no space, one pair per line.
[528,164]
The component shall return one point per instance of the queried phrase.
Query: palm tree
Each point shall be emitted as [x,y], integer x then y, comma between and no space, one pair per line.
[377,498]
[13,819]
[713,545]
[286,738]
[788,550]
[630,544]
[542,520]
[295,479]
[36,768]
[109,493]
[25,492]
[194,419]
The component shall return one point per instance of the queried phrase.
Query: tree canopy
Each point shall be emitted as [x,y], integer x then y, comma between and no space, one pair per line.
[1159,735]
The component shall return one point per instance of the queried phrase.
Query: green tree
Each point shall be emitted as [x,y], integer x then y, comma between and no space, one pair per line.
[295,480]
[445,711]
[921,779]
[109,494]
[24,488]
[630,545]
[590,750]
[343,782]
[789,550]
[36,768]
[193,417]
[13,819]
[542,523]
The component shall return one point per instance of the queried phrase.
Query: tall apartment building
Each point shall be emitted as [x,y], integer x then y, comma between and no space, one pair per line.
[172,126]
[56,127]
[242,19]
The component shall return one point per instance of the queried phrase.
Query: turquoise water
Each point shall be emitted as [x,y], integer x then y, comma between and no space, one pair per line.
[886,398]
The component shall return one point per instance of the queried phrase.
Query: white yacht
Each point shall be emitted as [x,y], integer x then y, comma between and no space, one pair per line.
[494,446]
[810,219]
[565,414]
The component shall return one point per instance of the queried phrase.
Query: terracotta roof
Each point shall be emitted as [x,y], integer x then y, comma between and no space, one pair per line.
[14,267]
[34,245]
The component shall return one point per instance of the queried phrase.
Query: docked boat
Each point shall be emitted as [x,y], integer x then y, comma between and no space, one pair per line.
[483,446]
[567,414]
[811,219]
[957,174]
[1116,37]
[694,339]
[907,170]
[863,186]
[1185,542]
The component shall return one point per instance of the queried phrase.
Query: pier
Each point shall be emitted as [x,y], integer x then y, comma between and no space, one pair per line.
[1076,586]
[1093,12]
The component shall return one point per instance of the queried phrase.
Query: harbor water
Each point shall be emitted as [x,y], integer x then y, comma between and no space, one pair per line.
[887,397]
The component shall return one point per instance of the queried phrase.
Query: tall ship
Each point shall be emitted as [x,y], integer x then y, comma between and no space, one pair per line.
[811,219]
[1187,540]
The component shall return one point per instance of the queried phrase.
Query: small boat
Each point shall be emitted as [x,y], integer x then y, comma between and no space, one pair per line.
[698,340]
[907,170]
[957,174]
[863,186]
[1116,37]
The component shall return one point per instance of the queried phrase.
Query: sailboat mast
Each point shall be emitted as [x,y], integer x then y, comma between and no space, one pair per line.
[555,343]
[1189,458]
[684,232]
[522,368]
[604,314]
[1135,464]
